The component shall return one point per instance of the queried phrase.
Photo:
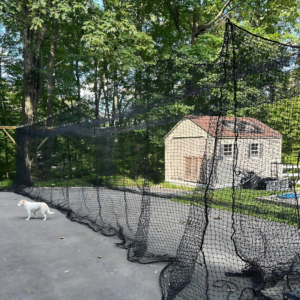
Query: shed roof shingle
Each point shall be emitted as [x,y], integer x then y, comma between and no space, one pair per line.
[246,127]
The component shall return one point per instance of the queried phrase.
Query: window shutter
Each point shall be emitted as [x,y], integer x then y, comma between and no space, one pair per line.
[249,150]
[261,149]
[221,152]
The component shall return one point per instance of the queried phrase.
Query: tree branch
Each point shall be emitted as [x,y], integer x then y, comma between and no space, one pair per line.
[174,11]
[15,18]
[204,27]
[59,63]
[10,7]
[220,12]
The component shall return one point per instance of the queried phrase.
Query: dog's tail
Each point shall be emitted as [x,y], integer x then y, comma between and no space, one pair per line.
[50,212]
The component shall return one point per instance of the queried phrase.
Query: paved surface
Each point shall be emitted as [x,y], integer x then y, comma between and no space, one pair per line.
[34,261]
[35,264]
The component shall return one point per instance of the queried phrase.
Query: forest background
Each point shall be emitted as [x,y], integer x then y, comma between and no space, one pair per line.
[55,53]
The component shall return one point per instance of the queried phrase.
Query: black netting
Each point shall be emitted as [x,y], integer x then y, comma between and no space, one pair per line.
[197,166]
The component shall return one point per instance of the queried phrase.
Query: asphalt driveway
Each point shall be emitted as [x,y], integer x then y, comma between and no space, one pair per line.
[36,264]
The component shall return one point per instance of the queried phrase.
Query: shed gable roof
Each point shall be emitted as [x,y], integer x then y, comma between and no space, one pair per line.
[246,127]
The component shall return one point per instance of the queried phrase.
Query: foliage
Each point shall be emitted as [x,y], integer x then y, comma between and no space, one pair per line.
[6,183]
[283,116]
[101,52]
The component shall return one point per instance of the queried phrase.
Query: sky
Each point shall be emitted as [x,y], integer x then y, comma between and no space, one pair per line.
[99,2]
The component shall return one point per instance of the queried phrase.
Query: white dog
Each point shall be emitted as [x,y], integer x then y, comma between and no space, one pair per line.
[34,207]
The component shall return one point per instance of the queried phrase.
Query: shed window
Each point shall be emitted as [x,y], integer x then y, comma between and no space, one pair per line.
[254,148]
[228,151]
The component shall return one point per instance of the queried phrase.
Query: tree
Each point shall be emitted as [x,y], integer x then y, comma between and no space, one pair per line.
[31,19]
[10,94]
[77,51]
[113,42]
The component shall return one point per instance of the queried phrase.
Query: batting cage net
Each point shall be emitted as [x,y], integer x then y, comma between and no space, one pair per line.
[191,163]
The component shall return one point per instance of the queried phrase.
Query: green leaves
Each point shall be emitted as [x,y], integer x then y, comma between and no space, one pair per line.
[113,36]
[36,23]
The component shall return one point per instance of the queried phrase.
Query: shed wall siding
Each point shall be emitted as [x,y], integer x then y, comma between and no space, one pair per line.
[189,140]
[186,140]
[262,166]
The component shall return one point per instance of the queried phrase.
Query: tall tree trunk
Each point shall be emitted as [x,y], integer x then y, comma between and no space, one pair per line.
[50,76]
[115,100]
[96,91]
[50,87]
[194,27]
[29,79]
[78,82]
[78,152]
[6,159]
[39,78]
[105,91]
[32,41]
[190,82]
[28,106]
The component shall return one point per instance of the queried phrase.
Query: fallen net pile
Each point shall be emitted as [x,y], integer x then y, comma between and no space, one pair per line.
[185,166]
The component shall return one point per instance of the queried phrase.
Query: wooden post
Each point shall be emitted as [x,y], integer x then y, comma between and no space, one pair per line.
[42,143]
[4,129]
[8,127]
[6,149]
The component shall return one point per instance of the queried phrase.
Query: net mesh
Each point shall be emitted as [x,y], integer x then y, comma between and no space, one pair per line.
[196,164]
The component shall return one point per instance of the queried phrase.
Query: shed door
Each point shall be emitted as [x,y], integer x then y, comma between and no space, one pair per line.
[192,166]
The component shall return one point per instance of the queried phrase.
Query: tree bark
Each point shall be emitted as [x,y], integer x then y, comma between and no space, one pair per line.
[105,90]
[28,105]
[174,11]
[97,91]
[6,159]
[78,84]
[39,78]
[32,41]
[50,76]
[29,79]
[50,88]
[195,26]
[116,97]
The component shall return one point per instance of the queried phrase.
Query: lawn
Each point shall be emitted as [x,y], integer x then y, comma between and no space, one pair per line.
[104,181]
[107,181]
[6,183]
[245,203]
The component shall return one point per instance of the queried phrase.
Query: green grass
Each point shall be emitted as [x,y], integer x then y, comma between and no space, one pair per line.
[169,185]
[110,181]
[6,183]
[72,182]
[105,181]
[245,203]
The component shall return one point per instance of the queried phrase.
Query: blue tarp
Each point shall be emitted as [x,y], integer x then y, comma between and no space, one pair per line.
[288,195]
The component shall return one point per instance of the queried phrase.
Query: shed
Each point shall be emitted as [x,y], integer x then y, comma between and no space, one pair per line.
[196,143]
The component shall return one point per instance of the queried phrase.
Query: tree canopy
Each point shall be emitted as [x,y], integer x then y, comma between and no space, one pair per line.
[55,53]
